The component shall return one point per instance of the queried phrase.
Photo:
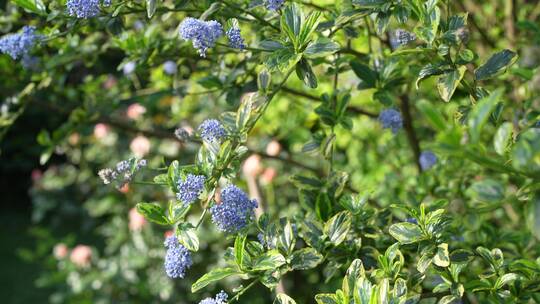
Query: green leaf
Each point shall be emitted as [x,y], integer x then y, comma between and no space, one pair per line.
[151,6]
[406,233]
[365,73]
[35,6]
[212,276]
[449,299]
[368,3]
[153,212]
[337,227]
[533,215]
[305,73]
[442,258]
[282,298]
[427,71]
[282,59]
[270,260]
[526,152]
[502,138]
[305,258]
[326,298]
[505,279]
[321,48]
[309,25]
[449,81]
[291,23]
[487,190]
[187,237]
[286,240]
[432,114]
[495,65]
[239,251]
[480,114]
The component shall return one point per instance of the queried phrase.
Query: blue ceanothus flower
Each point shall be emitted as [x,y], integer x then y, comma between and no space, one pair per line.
[83,8]
[203,34]
[169,67]
[427,160]
[404,37]
[221,298]
[212,130]
[190,188]
[391,119]
[177,258]
[235,38]
[234,211]
[19,44]
[273,5]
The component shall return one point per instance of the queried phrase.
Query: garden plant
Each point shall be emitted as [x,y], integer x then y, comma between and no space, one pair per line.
[280,151]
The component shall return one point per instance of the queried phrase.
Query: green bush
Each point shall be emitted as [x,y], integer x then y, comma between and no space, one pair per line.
[391,148]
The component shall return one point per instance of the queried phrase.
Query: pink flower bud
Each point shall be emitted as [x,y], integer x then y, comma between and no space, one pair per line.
[36,175]
[252,166]
[110,82]
[60,251]
[135,111]
[101,130]
[168,233]
[81,255]
[268,175]
[273,148]
[140,146]
[124,189]
[136,220]
[74,138]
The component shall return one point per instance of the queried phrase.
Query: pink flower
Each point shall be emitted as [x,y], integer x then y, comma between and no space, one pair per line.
[136,220]
[140,146]
[168,233]
[124,189]
[135,111]
[81,255]
[252,166]
[60,251]
[101,130]
[36,175]
[268,175]
[74,138]
[273,148]
[110,82]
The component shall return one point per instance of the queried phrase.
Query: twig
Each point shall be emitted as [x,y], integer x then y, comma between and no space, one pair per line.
[409,129]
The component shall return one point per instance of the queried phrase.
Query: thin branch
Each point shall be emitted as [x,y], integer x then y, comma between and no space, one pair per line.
[409,129]
[351,109]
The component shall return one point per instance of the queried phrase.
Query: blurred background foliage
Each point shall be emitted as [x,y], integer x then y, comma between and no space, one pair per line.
[77,111]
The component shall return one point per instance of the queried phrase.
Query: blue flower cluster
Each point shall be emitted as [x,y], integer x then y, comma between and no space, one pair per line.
[391,119]
[427,160]
[123,171]
[83,8]
[169,67]
[20,44]
[190,188]
[203,34]
[235,38]
[274,5]
[411,220]
[403,37]
[212,130]
[234,211]
[177,258]
[221,298]
[129,67]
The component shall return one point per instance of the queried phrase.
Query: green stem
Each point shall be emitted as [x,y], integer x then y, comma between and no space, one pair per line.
[242,291]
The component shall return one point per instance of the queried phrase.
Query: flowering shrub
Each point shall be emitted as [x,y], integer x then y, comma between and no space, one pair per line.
[390,150]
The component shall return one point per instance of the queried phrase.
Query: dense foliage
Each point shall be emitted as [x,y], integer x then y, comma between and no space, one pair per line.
[352,151]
